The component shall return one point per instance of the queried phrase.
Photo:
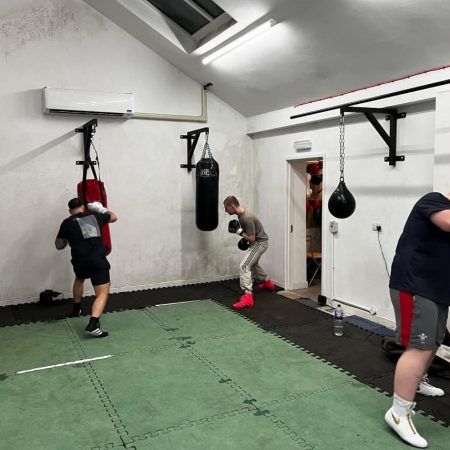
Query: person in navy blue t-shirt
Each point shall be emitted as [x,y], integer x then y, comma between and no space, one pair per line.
[420,294]
[82,230]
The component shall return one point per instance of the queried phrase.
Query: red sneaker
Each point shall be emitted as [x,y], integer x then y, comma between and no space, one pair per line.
[268,284]
[245,301]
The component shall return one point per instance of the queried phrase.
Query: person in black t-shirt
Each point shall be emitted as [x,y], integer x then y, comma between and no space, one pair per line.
[420,294]
[83,231]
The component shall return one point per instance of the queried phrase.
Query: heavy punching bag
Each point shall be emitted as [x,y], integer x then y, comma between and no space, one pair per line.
[93,190]
[341,204]
[207,191]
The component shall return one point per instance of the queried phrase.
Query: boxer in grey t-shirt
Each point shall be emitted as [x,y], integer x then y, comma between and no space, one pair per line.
[251,229]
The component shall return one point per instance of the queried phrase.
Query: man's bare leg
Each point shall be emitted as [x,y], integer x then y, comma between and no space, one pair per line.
[411,367]
[77,291]
[409,371]
[101,297]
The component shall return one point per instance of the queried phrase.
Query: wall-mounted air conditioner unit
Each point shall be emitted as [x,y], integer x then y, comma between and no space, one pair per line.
[69,101]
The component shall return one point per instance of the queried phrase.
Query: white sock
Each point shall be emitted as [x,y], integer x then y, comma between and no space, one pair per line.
[401,407]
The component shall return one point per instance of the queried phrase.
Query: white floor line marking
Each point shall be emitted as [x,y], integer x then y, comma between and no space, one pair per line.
[80,361]
[177,303]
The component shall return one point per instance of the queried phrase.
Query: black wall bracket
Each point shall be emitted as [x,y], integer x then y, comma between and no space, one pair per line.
[391,139]
[88,130]
[192,139]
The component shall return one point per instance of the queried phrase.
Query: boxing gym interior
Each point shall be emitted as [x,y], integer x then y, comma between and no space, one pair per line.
[326,119]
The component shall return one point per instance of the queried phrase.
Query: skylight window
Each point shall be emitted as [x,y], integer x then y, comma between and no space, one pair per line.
[201,19]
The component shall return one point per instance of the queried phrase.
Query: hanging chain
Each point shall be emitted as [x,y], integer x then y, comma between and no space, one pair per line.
[341,146]
[96,157]
[212,170]
[91,142]
[206,148]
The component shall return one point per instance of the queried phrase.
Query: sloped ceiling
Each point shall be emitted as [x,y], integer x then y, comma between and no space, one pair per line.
[318,47]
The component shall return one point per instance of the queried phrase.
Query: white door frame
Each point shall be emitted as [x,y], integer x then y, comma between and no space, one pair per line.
[293,282]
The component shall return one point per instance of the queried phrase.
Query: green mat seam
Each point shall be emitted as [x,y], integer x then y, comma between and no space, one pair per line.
[223,378]
[250,408]
[102,394]
[190,424]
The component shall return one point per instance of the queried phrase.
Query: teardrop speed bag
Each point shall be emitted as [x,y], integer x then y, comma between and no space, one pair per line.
[342,204]
[207,194]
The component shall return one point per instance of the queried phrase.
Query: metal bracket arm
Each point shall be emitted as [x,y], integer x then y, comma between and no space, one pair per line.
[88,130]
[391,138]
[192,139]
[88,126]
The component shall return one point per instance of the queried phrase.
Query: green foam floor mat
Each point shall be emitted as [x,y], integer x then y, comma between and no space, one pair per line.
[53,410]
[34,345]
[193,375]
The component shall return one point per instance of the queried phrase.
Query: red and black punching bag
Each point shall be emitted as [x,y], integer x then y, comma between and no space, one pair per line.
[207,194]
[94,191]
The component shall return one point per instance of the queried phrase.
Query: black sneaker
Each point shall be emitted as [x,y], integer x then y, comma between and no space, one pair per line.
[76,310]
[93,328]
[97,332]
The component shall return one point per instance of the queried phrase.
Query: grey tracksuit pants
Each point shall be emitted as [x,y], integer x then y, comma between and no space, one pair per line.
[249,268]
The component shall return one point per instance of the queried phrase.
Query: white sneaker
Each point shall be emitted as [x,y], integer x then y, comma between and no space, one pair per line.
[405,428]
[425,388]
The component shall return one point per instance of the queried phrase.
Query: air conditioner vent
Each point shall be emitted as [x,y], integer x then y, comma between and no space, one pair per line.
[69,101]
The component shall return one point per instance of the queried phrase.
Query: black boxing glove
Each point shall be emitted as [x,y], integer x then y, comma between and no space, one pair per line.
[235,227]
[243,244]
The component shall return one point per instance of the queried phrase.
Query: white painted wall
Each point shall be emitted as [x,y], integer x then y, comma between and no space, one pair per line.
[441,143]
[68,44]
[383,194]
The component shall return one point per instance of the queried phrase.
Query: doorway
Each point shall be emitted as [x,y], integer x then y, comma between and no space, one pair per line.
[304,250]
[314,189]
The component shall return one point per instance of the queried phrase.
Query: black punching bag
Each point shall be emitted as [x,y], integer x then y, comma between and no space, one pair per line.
[341,204]
[207,194]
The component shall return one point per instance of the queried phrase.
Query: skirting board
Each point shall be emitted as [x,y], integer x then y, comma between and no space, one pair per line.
[140,287]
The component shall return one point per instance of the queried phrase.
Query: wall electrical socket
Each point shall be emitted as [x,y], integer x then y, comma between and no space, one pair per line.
[376,226]
[333,226]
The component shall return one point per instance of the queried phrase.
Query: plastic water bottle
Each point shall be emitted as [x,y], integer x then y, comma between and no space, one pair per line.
[338,321]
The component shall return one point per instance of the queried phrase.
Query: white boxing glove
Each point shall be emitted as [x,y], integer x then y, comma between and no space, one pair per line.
[97,207]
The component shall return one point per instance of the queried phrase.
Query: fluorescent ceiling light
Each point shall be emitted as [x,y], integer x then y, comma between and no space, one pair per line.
[239,41]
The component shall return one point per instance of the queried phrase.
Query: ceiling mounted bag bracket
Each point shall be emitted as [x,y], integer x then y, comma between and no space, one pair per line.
[391,139]
[192,139]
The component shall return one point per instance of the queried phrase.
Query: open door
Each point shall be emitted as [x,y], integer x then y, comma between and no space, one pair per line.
[314,195]
[304,224]
[296,225]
